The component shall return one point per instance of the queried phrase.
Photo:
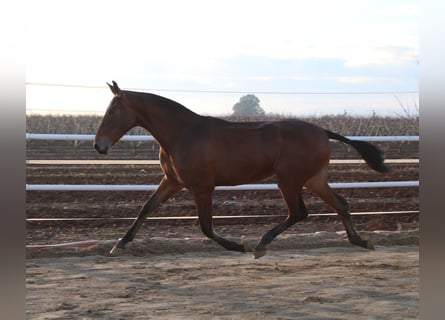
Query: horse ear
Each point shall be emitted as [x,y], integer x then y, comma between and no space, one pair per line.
[114,88]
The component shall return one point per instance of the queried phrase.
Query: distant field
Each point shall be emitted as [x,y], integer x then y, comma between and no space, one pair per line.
[343,124]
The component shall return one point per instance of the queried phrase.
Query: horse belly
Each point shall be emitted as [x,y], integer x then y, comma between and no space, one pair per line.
[243,168]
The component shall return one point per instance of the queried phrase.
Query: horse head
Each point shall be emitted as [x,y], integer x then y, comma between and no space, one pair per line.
[118,119]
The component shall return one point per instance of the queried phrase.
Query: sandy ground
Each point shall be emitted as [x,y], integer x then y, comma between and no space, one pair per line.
[309,276]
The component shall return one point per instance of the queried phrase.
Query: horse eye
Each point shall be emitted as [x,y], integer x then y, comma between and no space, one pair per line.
[111,111]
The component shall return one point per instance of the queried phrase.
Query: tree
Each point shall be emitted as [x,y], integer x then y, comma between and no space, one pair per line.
[248,105]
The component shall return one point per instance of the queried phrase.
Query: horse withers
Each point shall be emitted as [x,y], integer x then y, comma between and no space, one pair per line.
[199,153]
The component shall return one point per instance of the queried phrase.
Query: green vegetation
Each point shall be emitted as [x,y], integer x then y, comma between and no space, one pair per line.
[248,105]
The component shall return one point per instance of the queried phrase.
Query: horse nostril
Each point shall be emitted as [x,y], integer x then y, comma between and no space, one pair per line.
[101,150]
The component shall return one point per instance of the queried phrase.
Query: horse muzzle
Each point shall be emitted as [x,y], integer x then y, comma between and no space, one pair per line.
[102,146]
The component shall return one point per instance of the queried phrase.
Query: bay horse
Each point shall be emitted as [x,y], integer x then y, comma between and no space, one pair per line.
[200,152]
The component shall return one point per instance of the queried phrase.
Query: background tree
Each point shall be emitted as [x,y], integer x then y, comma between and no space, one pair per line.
[248,105]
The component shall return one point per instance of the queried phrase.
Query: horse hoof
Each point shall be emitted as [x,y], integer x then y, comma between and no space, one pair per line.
[369,245]
[259,253]
[247,247]
[117,250]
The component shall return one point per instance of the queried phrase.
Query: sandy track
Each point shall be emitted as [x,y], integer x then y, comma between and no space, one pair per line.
[322,277]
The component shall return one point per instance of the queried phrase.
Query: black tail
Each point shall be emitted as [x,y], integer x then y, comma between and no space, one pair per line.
[373,156]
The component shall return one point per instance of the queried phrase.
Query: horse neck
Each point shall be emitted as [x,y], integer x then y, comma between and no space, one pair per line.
[165,119]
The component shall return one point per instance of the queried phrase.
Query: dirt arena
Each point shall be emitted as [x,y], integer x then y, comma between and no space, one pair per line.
[309,276]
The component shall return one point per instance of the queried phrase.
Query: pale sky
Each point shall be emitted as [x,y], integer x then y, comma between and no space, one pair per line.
[228,48]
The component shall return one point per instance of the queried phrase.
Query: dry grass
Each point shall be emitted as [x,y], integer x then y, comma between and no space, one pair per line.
[404,124]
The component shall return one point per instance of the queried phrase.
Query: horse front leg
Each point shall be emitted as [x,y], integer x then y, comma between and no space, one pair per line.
[203,201]
[165,190]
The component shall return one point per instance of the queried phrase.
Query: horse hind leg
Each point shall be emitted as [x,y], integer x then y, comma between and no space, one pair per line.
[319,185]
[296,212]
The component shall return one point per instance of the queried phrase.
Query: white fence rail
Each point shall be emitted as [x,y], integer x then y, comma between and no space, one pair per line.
[261,186]
[100,187]
[45,136]
[48,136]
